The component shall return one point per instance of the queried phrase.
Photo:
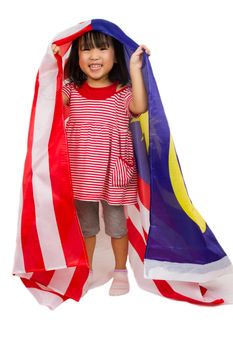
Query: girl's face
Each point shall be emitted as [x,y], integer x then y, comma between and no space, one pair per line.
[97,62]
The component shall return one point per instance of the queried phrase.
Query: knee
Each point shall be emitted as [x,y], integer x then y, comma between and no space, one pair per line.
[116,235]
[89,234]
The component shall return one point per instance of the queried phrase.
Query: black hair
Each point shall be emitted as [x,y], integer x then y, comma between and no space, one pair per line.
[91,39]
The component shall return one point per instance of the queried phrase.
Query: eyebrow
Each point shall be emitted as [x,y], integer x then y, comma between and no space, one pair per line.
[98,47]
[106,43]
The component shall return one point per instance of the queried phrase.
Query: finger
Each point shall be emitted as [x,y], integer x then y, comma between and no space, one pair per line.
[147,51]
[56,50]
[140,48]
[144,47]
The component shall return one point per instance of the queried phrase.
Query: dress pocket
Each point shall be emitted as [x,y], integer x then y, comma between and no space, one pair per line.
[123,171]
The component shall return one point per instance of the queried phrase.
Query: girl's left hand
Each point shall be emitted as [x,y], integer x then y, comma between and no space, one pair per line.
[136,57]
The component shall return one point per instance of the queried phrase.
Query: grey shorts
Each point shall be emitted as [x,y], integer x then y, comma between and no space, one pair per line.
[113,215]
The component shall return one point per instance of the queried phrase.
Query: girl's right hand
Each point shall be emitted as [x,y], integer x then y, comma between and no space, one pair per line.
[56,49]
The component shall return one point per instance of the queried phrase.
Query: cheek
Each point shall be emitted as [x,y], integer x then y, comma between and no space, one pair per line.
[82,58]
[111,58]
[81,61]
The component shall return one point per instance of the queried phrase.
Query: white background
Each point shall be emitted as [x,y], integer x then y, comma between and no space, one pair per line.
[191,55]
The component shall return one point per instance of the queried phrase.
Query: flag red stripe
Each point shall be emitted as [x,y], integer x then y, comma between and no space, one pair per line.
[68,226]
[29,235]
[144,192]
[74,290]
[43,277]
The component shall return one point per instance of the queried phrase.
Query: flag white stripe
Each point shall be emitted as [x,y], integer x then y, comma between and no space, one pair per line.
[61,279]
[19,266]
[167,270]
[46,298]
[46,224]
[140,219]
[137,267]
[65,33]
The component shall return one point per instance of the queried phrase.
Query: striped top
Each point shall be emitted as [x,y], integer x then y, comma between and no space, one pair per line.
[100,146]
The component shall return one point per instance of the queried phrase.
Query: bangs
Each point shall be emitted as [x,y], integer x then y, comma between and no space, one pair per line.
[90,40]
[94,39]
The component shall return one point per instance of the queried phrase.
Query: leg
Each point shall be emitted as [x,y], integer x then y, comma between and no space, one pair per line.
[90,247]
[88,215]
[120,250]
[120,283]
[115,226]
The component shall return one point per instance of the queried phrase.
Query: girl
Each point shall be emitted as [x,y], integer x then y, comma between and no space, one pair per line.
[102,97]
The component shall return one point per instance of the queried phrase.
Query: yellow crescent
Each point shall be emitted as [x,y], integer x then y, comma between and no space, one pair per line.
[180,189]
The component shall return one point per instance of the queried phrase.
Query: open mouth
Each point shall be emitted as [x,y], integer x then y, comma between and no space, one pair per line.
[95,67]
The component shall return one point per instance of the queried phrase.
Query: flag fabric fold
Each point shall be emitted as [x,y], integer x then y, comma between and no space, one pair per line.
[172,251]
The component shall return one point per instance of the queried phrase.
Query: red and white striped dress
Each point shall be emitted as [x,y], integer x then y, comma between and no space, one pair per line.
[100,143]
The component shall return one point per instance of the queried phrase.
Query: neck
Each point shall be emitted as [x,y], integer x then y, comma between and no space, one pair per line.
[98,83]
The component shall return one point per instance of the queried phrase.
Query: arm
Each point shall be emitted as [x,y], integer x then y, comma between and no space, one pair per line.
[56,49]
[138,104]
[65,99]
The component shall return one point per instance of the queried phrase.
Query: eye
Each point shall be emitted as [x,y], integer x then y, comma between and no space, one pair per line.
[103,48]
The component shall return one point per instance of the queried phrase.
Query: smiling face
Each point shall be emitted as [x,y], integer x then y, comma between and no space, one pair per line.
[96,58]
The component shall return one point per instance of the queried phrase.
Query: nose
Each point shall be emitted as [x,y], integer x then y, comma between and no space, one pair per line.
[94,54]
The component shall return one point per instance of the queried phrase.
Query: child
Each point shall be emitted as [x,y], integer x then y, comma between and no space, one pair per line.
[101,102]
